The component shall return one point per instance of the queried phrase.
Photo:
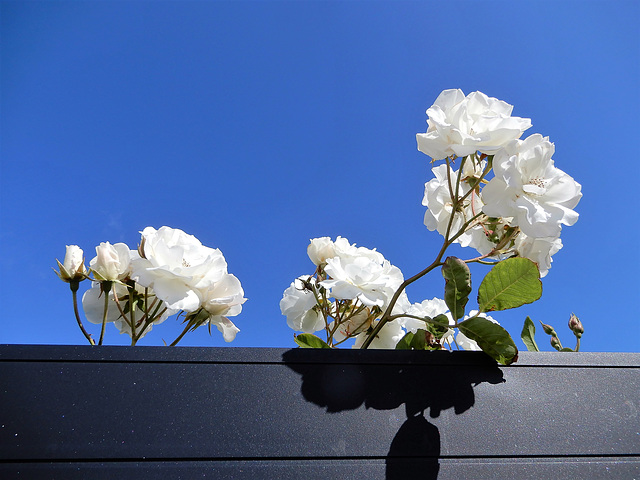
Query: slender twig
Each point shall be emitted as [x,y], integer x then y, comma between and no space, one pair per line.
[184,332]
[106,288]
[74,293]
[447,243]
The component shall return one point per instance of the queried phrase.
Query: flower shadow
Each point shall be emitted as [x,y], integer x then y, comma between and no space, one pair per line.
[340,380]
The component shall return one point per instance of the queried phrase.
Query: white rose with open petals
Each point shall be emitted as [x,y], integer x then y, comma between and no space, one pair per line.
[177,266]
[221,300]
[387,338]
[428,308]
[538,250]
[528,187]
[437,198]
[362,278]
[460,125]
[297,305]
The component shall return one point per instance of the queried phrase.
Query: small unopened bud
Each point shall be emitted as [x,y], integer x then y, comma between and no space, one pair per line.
[555,343]
[548,329]
[73,269]
[575,325]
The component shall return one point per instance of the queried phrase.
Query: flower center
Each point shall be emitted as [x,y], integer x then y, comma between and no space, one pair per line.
[185,263]
[538,182]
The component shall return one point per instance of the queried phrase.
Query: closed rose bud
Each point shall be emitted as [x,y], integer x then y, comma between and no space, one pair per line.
[548,329]
[555,343]
[73,269]
[575,325]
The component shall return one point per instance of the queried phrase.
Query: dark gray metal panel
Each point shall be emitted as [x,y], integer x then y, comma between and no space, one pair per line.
[220,404]
[88,353]
[569,468]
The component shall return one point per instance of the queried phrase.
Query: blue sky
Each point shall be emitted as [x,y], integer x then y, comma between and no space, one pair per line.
[256,126]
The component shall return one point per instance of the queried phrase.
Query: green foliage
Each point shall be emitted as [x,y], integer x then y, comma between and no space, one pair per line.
[438,325]
[405,342]
[494,340]
[421,340]
[528,335]
[308,340]
[457,285]
[510,284]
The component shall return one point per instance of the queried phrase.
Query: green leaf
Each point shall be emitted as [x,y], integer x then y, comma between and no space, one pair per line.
[494,340]
[405,342]
[528,335]
[438,325]
[510,284]
[457,286]
[418,342]
[308,340]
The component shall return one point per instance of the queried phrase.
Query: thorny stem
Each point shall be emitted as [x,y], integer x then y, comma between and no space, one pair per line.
[74,293]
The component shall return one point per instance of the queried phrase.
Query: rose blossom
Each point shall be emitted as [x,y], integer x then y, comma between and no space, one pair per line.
[298,304]
[539,250]
[528,187]
[428,308]
[460,125]
[72,269]
[177,266]
[362,278]
[321,249]
[221,300]
[439,203]
[112,261]
[387,338]
[93,306]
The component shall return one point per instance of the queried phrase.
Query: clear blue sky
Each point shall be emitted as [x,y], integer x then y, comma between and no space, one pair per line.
[256,126]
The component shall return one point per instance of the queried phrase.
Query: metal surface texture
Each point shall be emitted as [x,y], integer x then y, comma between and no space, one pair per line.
[123,412]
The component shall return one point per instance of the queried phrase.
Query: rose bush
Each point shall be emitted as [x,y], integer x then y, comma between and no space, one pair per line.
[170,273]
[506,199]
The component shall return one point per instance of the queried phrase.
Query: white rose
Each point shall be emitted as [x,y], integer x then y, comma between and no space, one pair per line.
[74,260]
[321,249]
[221,300]
[528,187]
[428,308]
[387,338]
[362,278]
[112,261]
[297,305]
[73,266]
[355,324]
[177,266]
[93,306]
[460,125]
[437,198]
[538,250]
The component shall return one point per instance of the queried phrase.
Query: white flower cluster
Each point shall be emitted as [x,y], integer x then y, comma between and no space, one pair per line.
[171,272]
[348,294]
[521,209]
